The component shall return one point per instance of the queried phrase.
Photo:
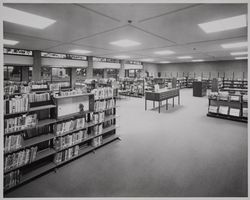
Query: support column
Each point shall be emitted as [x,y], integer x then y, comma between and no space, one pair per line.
[122,70]
[25,74]
[37,65]
[105,73]
[73,77]
[90,67]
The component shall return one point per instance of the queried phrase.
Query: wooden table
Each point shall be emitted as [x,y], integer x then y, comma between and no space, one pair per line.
[161,96]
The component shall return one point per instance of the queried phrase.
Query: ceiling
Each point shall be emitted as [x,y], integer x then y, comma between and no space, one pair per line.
[156,26]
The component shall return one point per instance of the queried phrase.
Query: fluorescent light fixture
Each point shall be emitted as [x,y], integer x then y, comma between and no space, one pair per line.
[240,58]
[80,51]
[125,43]
[224,24]
[26,19]
[184,57]
[198,60]
[238,53]
[234,45]
[10,42]
[164,52]
[121,56]
[165,62]
[147,60]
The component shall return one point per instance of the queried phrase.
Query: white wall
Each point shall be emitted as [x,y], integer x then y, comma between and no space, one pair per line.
[151,68]
[228,67]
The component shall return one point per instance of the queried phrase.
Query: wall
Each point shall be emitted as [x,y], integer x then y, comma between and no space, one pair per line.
[228,67]
[151,68]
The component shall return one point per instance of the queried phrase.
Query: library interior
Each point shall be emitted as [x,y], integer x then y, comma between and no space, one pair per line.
[125,100]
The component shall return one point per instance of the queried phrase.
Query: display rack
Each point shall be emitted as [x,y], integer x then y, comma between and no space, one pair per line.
[225,106]
[132,87]
[233,86]
[33,150]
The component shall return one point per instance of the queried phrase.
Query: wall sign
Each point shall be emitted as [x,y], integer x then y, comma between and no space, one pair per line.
[22,52]
[63,56]
[109,60]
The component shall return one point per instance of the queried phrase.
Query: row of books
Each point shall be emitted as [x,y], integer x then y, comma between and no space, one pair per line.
[97,141]
[71,93]
[97,129]
[39,86]
[20,158]
[71,125]
[11,179]
[58,86]
[226,110]
[98,117]
[13,142]
[103,105]
[102,93]
[34,97]
[16,104]
[227,97]
[69,140]
[20,123]
[66,154]
[10,89]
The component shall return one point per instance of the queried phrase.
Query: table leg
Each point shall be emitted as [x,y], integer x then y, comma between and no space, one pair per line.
[166,104]
[154,104]
[179,99]
[173,101]
[145,104]
[159,106]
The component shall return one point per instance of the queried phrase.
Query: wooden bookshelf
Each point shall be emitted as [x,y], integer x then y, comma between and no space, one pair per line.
[44,161]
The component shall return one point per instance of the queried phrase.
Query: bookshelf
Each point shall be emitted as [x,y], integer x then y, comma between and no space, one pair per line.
[228,106]
[132,87]
[233,86]
[56,135]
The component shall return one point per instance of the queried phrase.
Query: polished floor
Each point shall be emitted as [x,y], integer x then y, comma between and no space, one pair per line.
[177,153]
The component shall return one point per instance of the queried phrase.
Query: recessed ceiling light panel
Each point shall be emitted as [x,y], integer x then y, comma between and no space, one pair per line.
[125,43]
[224,24]
[240,58]
[164,52]
[198,60]
[184,57]
[80,51]
[165,62]
[26,19]
[10,42]
[238,53]
[234,45]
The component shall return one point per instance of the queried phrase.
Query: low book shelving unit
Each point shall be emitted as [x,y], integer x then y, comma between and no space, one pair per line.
[225,106]
[54,131]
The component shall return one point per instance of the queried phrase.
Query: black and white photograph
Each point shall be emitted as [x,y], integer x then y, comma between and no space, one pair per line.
[124,99]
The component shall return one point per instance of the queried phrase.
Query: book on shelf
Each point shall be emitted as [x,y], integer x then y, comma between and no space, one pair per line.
[97,141]
[234,112]
[69,140]
[11,179]
[13,142]
[245,112]
[223,110]
[103,105]
[245,97]
[98,117]
[234,98]
[223,95]
[70,125]
[213,109]
[20,123]
[34,97]
[77,91]
[39,86]
[20,158]
[102,93]
[16,104]
[66,154]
